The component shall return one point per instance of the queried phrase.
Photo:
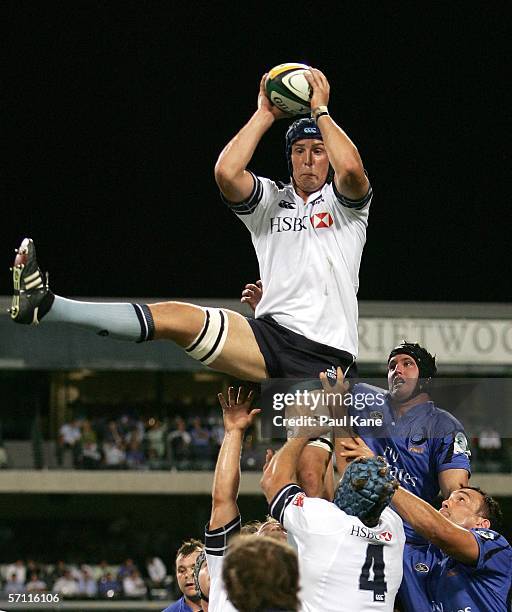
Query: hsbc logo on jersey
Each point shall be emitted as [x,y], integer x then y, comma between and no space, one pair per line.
[364,532]
[298,224]
[320,220]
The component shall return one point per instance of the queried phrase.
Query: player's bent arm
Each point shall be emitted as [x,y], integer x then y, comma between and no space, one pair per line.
[451,480]
[231,175]
[349,176]
[455,541]
[226,480]
[282,468]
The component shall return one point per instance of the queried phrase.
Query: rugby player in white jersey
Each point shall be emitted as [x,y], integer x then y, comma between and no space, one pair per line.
[308,235]
[225,521]
[349,558]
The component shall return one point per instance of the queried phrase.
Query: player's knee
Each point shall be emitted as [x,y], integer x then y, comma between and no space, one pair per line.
[209,342]
[177,321]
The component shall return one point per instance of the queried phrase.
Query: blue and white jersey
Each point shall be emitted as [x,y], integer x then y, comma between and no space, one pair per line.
[215,547]
[344,565]
[452,586]
[417,446]
[309,255]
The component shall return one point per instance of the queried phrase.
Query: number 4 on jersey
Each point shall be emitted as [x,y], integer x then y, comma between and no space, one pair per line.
[375,556]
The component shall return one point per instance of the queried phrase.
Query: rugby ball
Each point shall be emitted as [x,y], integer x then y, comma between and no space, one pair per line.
[287,88]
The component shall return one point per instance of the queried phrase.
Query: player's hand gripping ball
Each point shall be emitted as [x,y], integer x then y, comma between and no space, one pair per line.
[287,88]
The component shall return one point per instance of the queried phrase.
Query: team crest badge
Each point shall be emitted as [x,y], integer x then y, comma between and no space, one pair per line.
[322,219]
[285,204]
[422,568]
[488,535]
[460,445]
[299,500]
[376,414]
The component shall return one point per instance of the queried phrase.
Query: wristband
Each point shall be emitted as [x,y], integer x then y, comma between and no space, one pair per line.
[319,111]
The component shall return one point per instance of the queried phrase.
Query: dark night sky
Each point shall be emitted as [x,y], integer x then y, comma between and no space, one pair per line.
[114,114]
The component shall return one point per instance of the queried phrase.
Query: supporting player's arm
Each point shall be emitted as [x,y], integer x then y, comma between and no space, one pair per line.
[451,480]
[281,470]
[237,416]
[349,178]
[347,446]
[231,174]
[455,541]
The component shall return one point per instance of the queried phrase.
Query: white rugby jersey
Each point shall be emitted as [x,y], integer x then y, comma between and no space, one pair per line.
[344,565]
[216,545]
[309,256]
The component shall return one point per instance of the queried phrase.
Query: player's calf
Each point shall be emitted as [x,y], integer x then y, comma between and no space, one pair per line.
[312,467]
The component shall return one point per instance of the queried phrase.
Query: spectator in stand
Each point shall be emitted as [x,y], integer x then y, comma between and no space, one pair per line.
[490,449]
[69,439]
[216,434]
[66,585]
[112,434]
[156,570]
[124,427]
[18,568]
[114,456]
[91,456]
[87,586]
[108,586]
[126,568]
[155,437]
[34,568]
[135,458]
[57,571]
[100,570]
[253,457]
[36,585]
[134,586]
[185,563]
[14,585]
[180,450]
[201,445]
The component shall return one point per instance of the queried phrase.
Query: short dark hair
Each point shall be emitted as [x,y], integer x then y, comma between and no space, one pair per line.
[188,547]
[261,572]
[489,509]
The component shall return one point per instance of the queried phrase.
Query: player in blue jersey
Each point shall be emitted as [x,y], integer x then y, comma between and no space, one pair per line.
[426,447]
[185,561]
[467,565]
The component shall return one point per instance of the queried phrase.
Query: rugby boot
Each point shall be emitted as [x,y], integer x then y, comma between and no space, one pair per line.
[31,298]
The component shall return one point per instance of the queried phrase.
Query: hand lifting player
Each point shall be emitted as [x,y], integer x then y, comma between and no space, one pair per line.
[309,236]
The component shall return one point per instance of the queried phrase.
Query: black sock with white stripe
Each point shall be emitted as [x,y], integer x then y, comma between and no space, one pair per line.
[147,325]
[122,321]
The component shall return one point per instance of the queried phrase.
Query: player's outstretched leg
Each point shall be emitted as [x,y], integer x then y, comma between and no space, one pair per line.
[218,338]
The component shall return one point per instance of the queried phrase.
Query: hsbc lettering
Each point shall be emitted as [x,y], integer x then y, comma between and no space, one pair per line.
[364,532]
[289,224]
